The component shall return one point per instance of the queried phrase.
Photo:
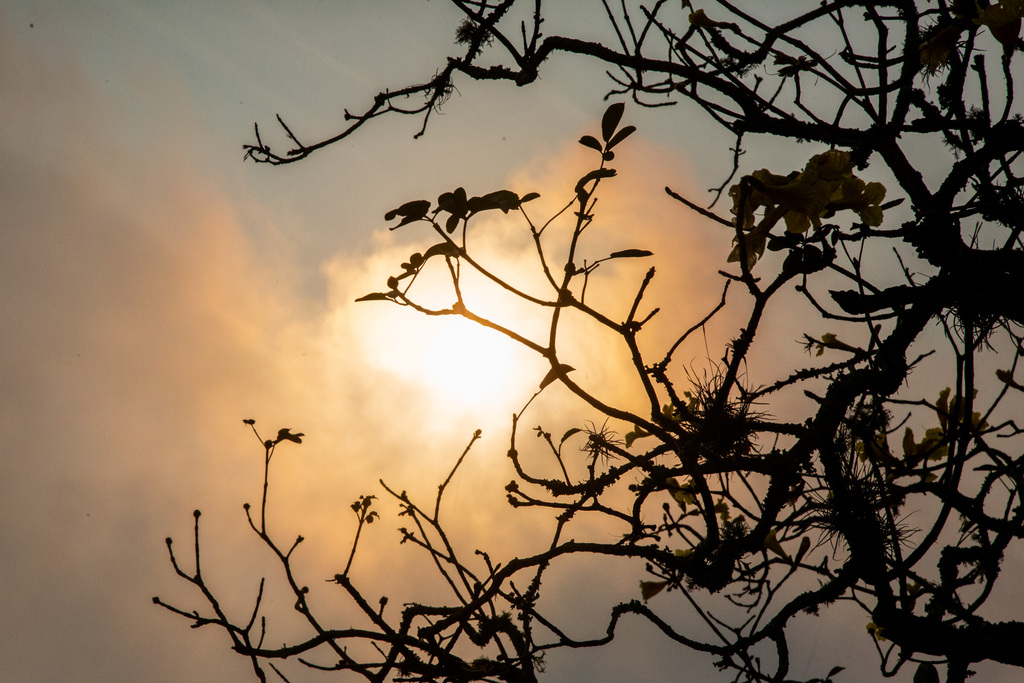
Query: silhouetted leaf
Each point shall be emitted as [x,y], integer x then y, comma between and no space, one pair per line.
[926,673]
[632,436]
[249,421]
[553,374]
[610,120]
[772,543]
[787,240]
[570,432]
[452,223]
[648,589]
[375,296]
[286,435]
[630,253]
[454,202]
[621,135]
[441,249]
[594,175]
[529,197]
[591,142]
[410,212]
[506,200]
[807,259]
[805,545]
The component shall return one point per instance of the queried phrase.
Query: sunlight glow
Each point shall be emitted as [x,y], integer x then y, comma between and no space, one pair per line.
[446,365]
[464,365]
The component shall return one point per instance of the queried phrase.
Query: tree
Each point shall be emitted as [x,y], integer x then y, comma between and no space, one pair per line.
[837,480]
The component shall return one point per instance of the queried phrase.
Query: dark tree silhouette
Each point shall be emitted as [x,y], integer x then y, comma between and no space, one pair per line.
[904,505]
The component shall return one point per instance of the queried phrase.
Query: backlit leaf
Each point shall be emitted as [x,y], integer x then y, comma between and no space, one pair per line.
[771,542]
[594,175]
[591,142]
[630,253]
[375,296]
[648,589]
[634,435]
[570,432]
[610,120]
[410,212]
[621,135]
[554,373]
[441,249]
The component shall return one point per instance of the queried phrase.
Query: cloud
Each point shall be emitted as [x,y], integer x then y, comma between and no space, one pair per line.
[137,331]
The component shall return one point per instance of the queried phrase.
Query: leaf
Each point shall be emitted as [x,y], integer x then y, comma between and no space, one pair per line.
[441,249]
[410,212]
[621,135]
[554,373]
[375,296]
[630,253]
[529,197]
[286,435]
[805,545]
[591,142]
[648,589]
[452,223]
[941,406]
[506,200]
[926,673]
[909,444]
[787,240]
[453,202]
[594,175]
[570,432]
[634,435]
[771,542]
[610,120]
[1003,19]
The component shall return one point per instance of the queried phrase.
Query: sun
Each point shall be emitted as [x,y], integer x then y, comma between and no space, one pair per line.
[454,365]
[463,364]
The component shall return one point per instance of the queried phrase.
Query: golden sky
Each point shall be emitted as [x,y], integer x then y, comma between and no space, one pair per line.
[156,290]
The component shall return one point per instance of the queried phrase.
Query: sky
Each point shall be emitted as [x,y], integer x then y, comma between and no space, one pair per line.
[157,290]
